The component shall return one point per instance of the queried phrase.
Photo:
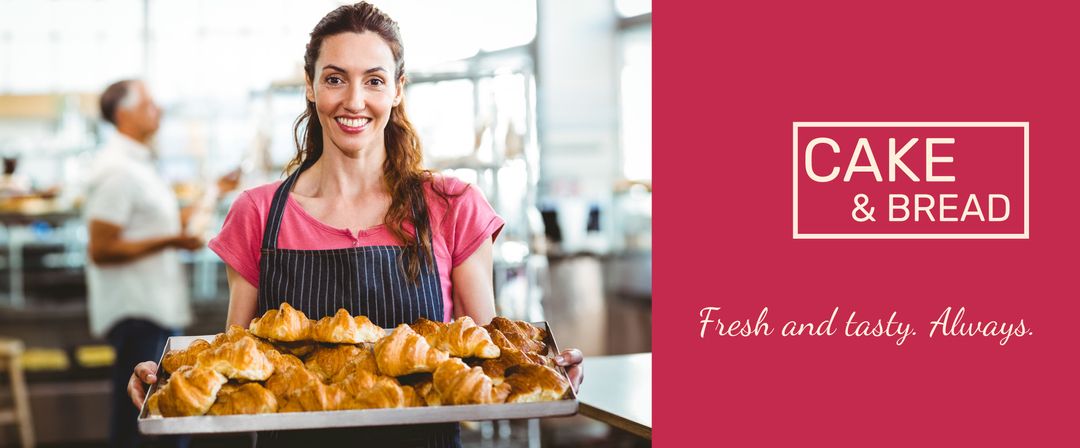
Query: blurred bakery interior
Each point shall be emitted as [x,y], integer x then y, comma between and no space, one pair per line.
[544,105]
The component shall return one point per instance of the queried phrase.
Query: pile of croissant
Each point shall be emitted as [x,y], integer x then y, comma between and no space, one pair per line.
[286,362]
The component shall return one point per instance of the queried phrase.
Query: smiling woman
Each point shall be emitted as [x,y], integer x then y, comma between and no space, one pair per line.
[359,224]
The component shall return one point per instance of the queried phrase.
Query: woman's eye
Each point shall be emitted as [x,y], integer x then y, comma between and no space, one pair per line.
[334,80]
[376,81]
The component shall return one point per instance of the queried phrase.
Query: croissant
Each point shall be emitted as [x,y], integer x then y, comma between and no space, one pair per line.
[240,360]
[152,408]
[526,329]
[342,328]
[251,398]
[191,391]
[174,359]
[464,339]
[513,336]
[510,357]
[427,328]
[459,384]
[412,398]
[355,382]
[316,396]
[331,364]
[404,352]
[289,378]
[282,361]
[426,390]
[299,349]
[384,392]
[530,383]
[284,324]
[234,333]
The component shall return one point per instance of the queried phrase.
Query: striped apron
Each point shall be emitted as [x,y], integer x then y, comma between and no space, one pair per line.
[364,280]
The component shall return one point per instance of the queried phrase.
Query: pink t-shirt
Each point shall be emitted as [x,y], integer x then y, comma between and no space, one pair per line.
[458,230]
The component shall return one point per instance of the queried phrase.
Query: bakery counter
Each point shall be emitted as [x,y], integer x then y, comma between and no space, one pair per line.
[623,396]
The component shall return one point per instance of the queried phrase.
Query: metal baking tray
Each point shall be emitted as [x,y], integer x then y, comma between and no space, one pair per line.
[365,417]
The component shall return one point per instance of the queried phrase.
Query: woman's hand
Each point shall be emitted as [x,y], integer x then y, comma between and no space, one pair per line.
[573,361]
[145,372]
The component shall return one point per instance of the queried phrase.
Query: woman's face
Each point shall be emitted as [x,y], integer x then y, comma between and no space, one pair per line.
[354,90]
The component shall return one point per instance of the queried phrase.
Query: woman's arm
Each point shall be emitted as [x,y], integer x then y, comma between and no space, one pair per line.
[243,299]
[473,288]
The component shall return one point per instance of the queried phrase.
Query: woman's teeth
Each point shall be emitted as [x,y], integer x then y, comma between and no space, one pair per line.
[353,122]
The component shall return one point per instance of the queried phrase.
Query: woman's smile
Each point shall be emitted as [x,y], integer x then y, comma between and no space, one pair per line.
[353,125]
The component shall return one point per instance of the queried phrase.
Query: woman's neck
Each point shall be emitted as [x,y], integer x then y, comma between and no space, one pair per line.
[345,176]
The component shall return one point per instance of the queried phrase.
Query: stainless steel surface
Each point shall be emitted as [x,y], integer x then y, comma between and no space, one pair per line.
[350,418]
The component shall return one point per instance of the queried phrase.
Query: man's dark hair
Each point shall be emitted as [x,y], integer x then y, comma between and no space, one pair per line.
[112,97]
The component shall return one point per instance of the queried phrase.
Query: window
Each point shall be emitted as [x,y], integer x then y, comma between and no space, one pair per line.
[635,108]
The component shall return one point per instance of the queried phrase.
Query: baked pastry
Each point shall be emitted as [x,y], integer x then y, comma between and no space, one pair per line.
[152,408]
[404,352]
[427,328]
[289,378]
[315,396]
[250,398]
[384,392]
[530,383]
[412,398]
[517,326]
[282,361]
[238,360]
[522,335]
[191,391]
[332,363]
[457,383]
[426,391]
[231,334]
[510,357]
[341,328]
[285,324]
[354,382]
[174,359]
[234,333]
[299,349]
[462,338]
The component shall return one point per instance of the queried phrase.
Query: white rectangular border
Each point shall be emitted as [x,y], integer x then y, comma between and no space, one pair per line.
[905,124]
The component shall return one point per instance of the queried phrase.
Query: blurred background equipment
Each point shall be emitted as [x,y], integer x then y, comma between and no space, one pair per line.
[545,106]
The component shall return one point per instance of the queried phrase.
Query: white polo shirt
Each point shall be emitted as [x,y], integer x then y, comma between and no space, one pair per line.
[125,189]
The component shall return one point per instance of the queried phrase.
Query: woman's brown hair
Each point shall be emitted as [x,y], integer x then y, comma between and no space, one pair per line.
[402,171]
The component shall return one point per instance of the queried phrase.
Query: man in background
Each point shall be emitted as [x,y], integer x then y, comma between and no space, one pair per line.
[138,293]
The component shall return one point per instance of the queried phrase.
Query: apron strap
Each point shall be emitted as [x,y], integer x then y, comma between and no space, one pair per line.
[281,197]
[277,207]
